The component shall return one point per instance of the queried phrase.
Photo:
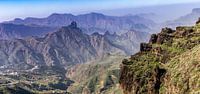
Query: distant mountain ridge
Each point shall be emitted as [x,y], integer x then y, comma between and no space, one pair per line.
[186,20]
[92,22]
[11,31]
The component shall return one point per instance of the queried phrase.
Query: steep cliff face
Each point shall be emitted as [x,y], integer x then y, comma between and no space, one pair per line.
[164,65]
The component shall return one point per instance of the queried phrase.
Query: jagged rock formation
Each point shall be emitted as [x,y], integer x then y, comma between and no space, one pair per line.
[165,64]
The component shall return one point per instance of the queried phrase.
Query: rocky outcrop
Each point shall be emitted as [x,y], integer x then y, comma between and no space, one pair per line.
[153,69]
[145,47]
[153,38]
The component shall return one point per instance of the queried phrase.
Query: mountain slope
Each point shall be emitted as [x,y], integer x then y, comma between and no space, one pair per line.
[183,73]
[69,45]
[99,77]
[157,68]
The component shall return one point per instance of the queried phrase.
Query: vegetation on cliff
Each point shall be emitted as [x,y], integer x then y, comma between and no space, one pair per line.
[167,64]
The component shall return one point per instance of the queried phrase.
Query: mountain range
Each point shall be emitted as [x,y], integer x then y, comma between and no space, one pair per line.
[67,46]
[186,20]
[92,22]
[35,46]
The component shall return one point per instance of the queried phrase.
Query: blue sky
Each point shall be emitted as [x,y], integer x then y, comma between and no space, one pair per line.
[10,9]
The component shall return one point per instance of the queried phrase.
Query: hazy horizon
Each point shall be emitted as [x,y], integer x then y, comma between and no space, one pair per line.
[11,9]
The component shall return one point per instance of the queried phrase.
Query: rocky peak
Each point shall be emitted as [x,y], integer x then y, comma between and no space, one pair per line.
[73,24]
